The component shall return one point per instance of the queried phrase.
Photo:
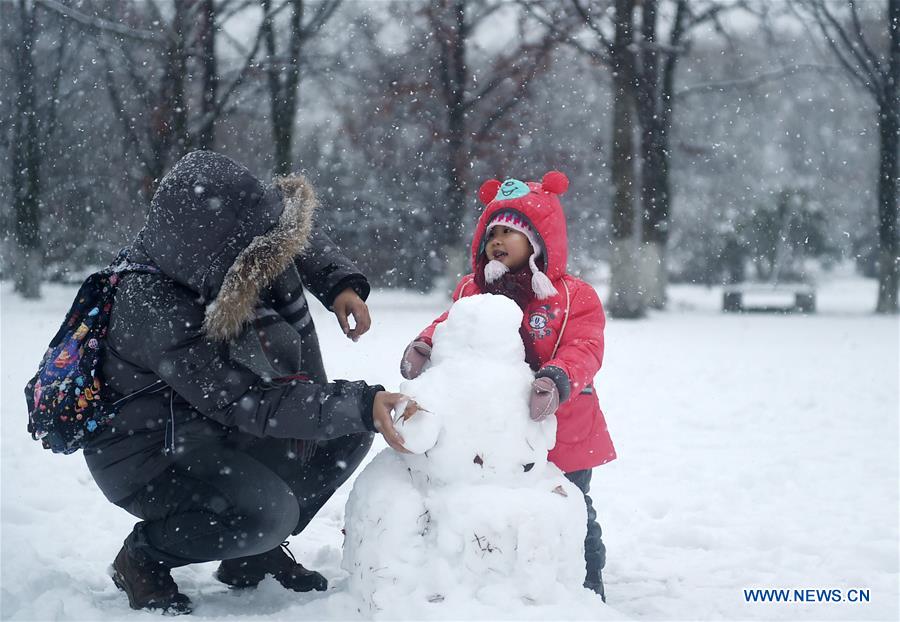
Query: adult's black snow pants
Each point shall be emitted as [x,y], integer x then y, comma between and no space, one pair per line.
[594,549]
[239,499]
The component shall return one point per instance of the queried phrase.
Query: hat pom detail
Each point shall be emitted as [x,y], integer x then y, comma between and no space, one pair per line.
[488,191]
[494,270]
[540,282]
[542,286]
[555,182]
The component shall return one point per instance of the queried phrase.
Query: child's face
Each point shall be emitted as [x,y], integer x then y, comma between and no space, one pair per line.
[509,247]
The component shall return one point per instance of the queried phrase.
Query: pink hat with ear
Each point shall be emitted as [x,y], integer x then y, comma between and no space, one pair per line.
[511,204]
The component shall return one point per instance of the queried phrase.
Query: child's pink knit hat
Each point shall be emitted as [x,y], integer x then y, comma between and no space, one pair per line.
[534,209]
[494,269]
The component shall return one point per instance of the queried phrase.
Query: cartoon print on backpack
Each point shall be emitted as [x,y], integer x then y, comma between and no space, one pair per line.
[67,401]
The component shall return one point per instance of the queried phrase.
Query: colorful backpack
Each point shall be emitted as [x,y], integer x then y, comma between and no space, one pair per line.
[68,401]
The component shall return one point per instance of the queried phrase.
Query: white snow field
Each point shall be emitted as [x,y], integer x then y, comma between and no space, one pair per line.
[755,452]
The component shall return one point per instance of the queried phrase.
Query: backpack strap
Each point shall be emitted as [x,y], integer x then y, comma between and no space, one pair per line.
[123,264]
[158,385]
[120,266]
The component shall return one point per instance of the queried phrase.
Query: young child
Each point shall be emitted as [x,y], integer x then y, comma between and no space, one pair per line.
[519,250]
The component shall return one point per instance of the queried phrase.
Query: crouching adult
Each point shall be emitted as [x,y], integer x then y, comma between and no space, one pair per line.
[229,437]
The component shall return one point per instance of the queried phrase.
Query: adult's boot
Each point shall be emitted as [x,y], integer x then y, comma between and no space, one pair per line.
[279,562]
[148,584]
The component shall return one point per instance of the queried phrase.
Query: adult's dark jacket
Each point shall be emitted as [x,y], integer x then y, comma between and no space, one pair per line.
[224,326]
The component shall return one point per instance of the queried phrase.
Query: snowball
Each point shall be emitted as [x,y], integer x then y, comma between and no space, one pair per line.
[420,432]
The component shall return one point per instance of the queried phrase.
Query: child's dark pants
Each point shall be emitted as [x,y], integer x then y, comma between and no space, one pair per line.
[237,500]
[594,549]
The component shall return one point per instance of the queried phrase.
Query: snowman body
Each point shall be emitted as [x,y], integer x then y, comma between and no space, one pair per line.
[478,515]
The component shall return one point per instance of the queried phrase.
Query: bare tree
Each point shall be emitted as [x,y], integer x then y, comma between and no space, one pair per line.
[206,40]
[624,38]
[34,123]
[625,300]
[604,32]
[474,102]
[877,69]
[654,85]
[283,63]
[431,108]
[149,53]
[657,61]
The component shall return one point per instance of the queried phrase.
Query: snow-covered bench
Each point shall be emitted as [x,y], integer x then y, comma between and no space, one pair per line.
[769,297]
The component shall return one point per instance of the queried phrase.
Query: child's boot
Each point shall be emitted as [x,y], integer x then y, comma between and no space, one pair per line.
[594,582]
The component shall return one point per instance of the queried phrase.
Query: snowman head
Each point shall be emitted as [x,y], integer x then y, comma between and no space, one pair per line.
[476,392]
[486,324]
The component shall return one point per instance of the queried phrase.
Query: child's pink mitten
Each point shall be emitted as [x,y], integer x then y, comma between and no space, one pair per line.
[544,398]
[416,355]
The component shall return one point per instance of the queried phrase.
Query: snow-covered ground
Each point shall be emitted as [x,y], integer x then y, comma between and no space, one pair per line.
[755,451]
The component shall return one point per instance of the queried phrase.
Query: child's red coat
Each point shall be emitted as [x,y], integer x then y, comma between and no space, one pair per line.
[570,323]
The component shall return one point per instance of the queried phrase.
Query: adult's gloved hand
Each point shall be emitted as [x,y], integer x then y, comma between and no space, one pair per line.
[416,355]
[544,398]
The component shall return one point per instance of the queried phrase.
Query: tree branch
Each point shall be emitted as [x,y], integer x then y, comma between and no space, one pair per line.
[753,81]
[519,93]
[564,36]
[589,21]
[119,109]
[226,11]
[477,19]
[860,37]
[221,106]
[99,24]
[323,13]
[861,61]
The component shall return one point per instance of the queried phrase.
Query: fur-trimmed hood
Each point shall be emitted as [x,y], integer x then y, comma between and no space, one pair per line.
[214,228]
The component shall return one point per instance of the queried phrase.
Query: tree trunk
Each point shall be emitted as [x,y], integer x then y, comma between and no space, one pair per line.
[889,249]
[206,139]
[655,198]
[656,89]
[26,164]
[179,139]
[282,137]
[625,299]
[454,74]
[455,194]
[654,186]
[284,79]
[169,139]
[888,197]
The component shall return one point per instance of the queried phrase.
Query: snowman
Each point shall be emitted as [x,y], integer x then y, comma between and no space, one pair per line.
[475,514]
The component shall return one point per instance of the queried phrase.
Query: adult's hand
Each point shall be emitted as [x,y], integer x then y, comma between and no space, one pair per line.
[384,422]
[349,303]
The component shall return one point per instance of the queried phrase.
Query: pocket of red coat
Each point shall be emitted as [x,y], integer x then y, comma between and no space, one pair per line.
[575,419]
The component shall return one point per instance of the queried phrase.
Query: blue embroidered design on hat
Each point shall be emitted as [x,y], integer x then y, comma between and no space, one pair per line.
[512,189]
